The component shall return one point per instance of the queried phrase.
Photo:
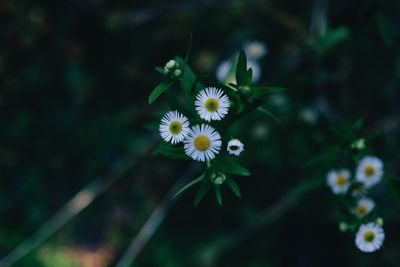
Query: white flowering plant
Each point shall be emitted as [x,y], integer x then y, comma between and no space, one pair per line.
[353,182]
[197,126]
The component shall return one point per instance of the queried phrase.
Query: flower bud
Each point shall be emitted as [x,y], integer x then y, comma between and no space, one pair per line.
[379,221]
[358,144]
[177,72]
[171,64]
[343,226]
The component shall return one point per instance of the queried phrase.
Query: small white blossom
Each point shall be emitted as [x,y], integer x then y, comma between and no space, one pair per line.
[202,143]
[364,207]
[338,181]
[369,171]
[235,147]
[174,127]
[212,104]
[369,237]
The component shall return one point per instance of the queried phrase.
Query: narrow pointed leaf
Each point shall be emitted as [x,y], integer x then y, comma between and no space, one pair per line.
[201,193]
[160,70]
[161,88]
[189,50]
[241,69]
[249,76]
[233,168]
[171,152]
[195,181]
[234,187]
[268,113]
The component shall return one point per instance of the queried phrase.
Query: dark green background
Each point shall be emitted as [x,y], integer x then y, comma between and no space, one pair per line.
[74,81]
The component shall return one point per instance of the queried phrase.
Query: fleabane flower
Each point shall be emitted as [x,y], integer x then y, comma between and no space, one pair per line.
[212,104]
[235,147]
[364,207]
[338,181]
[369,171]
[255,50]
[202,143]
[369,237]
[174,127]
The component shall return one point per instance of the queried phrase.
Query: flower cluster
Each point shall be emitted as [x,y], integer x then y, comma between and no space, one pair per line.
[201,142]
[369,172]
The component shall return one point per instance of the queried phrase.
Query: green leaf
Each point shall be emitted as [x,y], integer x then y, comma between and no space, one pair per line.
[205,186]
[234,187]
[160,70]
[268,113]
[171,152]
[218,195]
[233,168]
[195,181]
[241,69]
[161,88]
[260,91]
[249,76]
[189,79]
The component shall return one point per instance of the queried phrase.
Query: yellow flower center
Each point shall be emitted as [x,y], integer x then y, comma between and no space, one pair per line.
[341,180]
[212,104]
[369,170]
[369,236]
[202,142]
[175,127]
[362,210]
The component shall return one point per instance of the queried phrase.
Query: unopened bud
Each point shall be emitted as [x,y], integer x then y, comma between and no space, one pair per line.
[343,226]
[379,221]
[171,64]
[177,72]
[358,144]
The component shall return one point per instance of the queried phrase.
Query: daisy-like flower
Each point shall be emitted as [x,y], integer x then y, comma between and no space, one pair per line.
[364,207]
[235,147]
[338,181]
[369,237]
[202,143]
[255,50]
[174,127]
[212,104]
[369,171]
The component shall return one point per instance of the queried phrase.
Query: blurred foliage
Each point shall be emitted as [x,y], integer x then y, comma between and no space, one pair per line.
[74,81]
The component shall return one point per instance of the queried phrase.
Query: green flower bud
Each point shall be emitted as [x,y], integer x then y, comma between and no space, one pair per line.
[343,226]
[171,64]
[177,72]
[379,221]
[358,144]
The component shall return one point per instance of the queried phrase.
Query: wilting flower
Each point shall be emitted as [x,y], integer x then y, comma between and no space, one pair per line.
[174,127]
[202,143]
[338,180]
[369,237]
[369,171]
[212,104]
[235,147]
[364,207]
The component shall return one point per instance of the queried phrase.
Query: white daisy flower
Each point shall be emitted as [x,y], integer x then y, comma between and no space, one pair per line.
[235,147]
[369,237]
[364,207]
[202,143]
[338,181]
[212,104]
[255,50]
[369,171]
[174,127]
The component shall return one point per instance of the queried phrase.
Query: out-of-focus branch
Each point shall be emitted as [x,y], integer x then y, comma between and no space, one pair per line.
[140,148]
[208,254]
[155,220]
